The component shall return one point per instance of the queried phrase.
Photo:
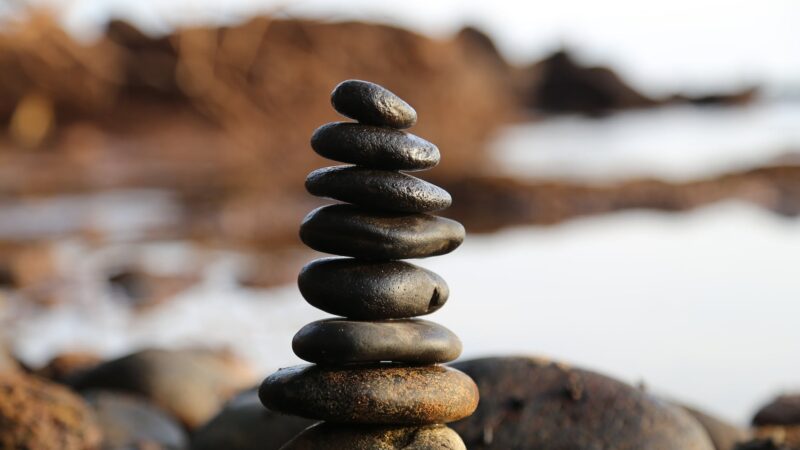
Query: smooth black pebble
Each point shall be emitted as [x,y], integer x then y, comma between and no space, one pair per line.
[342,341]
[374,147]
[348,230]
[371,290]
[380,189]
[372,104]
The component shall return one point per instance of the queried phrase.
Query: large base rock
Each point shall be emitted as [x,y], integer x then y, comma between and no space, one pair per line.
[529,403]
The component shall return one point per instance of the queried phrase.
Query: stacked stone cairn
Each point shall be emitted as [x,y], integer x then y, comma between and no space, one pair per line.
[376,381]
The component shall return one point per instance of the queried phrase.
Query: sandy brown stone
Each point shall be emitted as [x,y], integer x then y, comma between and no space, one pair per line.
[327,436]
[8,364]
[723,435]
[69,365]
[529,403]
[377,189]
[371,290]
[377,394]
[343,341]
[192,385]
[372,104]
[351,231]
[37,414]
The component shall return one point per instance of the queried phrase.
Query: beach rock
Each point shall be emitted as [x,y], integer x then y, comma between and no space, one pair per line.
[67,366]
[38,414]
[192,385]
[342,341]
[351,231]
[374,147]
[8,364]
[723,435]
[244,424]
[761,444]
[376,394]
[783,435]
[784,410]
[371,290]
[378,189]
[131,422]
[372,104]
[326,436]
[533,403]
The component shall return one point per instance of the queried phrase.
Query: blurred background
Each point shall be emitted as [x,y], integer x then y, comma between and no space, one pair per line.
[628,174]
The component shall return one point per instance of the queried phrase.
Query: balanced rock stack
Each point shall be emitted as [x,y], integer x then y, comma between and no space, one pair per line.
[376,381]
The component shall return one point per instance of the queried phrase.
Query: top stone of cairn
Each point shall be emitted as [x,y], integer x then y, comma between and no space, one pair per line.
[371,104]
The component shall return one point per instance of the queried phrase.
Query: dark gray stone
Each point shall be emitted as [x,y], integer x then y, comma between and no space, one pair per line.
[371,394]
[129,421]
[329,436]
[378,189]
[374,147]
[342,341]
[372,104]
[783,410]
[244,424]
[539,404]
[351,231]
[371,290]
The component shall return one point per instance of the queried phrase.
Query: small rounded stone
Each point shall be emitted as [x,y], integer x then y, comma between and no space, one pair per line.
[351,231]
[371,290]
[375,394]
[372,104]
[342,341]
[132,422]
[374,147]
[328,436]
[379,189]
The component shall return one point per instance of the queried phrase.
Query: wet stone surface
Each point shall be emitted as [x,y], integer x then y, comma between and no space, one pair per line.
[370,290]
[372,104]
[328,436]
[378,189]
[374,147]
[529,402]
[351,231]
[342,341]
[377,393]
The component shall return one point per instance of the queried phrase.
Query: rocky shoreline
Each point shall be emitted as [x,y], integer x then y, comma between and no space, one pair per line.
[155,399]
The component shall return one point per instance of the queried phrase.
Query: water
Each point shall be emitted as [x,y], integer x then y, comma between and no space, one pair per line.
[675,143]
[701,306]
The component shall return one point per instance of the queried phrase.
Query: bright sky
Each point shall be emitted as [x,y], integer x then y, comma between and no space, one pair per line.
[659,46]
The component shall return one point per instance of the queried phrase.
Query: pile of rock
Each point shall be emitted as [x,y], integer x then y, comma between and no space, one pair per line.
[375,380]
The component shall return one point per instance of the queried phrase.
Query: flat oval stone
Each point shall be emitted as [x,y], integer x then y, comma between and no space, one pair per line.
[331,436]
[342,341]
[371,290]
[380,189]
[351,231]
[372,104]
[374,147]
[377,393]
